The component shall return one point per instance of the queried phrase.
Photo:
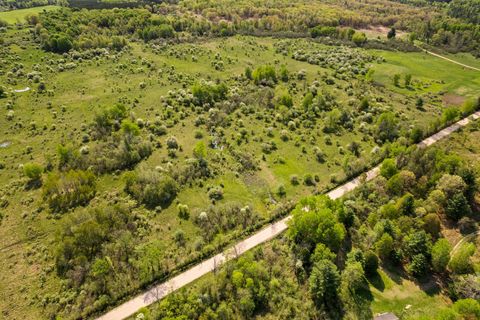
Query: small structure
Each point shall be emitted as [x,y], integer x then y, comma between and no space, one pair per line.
[386,316]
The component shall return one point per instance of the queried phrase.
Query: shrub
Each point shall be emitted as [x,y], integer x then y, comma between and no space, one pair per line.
[441,255]
[265,75]
[294,180]
[215,193]
[359,38]
[308,180]
[183,211]
[388,168]
[206,93]
[450,114]
[151,187]
[66,190]
[460,262]
[33,171]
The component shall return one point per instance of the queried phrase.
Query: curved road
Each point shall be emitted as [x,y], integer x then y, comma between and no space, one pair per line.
[270,231]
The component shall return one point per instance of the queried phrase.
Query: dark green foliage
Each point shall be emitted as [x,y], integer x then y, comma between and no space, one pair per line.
[387,127]
[460,262]
[418,267]
[314,221]
[109,120]
[163,31]
[391,33]
[324,282]
[208,93]
[321,31]
[58,43]
[457,206]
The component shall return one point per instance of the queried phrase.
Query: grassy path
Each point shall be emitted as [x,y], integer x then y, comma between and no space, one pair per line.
[159,291]
[448,59]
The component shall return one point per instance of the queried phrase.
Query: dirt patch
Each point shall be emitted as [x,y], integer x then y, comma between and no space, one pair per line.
[452,100]
[382,31]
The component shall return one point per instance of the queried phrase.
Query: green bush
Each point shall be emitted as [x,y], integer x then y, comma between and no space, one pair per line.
[151,188]
[33,171]
[70,189]
[265,75]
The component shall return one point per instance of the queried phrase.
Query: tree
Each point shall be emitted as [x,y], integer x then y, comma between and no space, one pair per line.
[384,246]
[396,80]
[460,262]
[451,185]
[359,38]
[151,188]
[406,204]
[200,150]
[431,224]
[457,206]
[265,75]
[388,168]
[391,33]
[387,127]
[418,267]
[408,80]
[322,253]
[355,292]
[324,282]
[441,255]
[314,221]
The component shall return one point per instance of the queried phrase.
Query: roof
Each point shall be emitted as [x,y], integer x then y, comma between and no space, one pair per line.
[386,316]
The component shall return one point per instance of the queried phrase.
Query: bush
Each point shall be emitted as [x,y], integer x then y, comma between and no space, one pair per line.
[388,168]
[387,127]
[461,263]
[66,190]
[457,206]
[265,75]
[151,188]
[215,193]
[206,93]
[33,171]
[183,211]
[441,255]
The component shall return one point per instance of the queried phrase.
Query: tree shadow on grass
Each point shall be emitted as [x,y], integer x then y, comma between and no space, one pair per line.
[397,274]
[376,281]
[430,284]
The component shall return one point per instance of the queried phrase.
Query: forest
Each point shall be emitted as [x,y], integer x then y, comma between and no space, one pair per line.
[138,139]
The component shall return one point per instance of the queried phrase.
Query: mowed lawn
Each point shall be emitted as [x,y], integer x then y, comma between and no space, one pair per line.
[408,300]
[429,73]
[19,15]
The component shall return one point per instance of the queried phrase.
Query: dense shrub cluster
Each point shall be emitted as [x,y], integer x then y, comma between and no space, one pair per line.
[66,190]
[151,187]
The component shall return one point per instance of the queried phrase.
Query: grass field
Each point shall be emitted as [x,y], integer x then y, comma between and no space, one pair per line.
[19,15]
[430,73]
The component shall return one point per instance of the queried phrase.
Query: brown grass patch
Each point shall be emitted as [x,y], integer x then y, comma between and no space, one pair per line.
[452,100]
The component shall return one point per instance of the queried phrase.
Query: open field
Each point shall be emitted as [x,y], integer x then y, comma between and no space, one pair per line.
[19,15]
